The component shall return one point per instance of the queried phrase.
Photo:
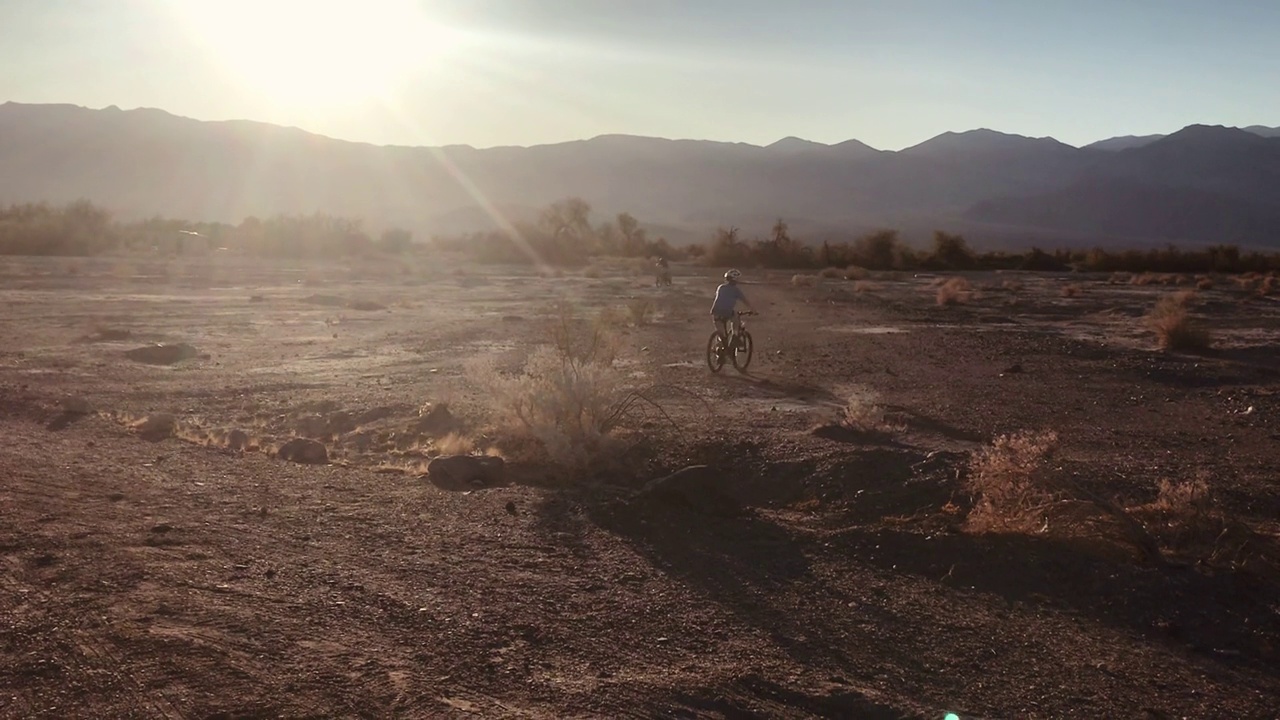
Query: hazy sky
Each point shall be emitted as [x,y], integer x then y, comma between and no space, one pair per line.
[517,72]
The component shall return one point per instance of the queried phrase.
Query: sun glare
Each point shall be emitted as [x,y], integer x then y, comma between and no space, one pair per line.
[318,54]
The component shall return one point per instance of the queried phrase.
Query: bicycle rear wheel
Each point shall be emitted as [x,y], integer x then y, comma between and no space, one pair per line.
[715,352]
[742,352]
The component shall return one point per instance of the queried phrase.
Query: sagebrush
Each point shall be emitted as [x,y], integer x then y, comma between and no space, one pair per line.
[1009,486]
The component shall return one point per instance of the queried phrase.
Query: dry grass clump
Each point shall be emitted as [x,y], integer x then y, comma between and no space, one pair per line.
[454,444]
[863,413]
[1204,283]
[1149,278]
[569,401]
[832,273]
[1008,485]
[1268,285]
[1174,325]
[1070,291]
[640,310]
[1011,286]
[954,291]
[865,286]
[804,280]
[854,272]
[1120,278]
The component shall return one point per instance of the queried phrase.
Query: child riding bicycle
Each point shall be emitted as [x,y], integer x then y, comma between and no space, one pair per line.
[728,295]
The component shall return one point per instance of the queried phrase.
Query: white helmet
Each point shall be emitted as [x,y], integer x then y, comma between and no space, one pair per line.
[732,275]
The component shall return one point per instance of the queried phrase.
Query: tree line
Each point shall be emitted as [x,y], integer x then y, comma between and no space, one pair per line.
[565,234]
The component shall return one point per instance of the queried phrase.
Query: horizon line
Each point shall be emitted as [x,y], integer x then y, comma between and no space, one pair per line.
[601,136]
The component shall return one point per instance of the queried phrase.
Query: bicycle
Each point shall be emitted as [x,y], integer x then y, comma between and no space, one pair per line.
[738,346]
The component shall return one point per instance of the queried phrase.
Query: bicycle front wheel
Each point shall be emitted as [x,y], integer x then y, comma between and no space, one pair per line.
[742,352]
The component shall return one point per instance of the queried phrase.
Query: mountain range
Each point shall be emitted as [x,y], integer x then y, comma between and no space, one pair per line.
[1202,184]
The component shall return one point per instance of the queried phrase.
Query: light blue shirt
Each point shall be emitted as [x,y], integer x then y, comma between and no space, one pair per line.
[727,297]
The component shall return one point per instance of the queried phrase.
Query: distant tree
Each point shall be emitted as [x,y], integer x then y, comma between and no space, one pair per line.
[633,236]
[395,241]
[951,251]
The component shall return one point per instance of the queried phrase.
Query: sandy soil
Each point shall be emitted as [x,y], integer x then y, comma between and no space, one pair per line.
[160,561]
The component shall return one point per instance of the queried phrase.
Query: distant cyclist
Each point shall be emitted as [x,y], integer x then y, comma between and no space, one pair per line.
[663,271]
[728,295]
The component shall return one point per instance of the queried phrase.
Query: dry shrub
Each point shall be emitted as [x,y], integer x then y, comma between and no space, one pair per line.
[1204,283]
[804,280]
[832,273]
[865,286]
[591,272]
[1011,286]
[640,310]
[1070,291]
[1268,285]
[1120,278]
[1183,518]
[862,413]
[954,291]
[1148,278]
[1174,325]
[1008,485]
[854,272]
[569,401]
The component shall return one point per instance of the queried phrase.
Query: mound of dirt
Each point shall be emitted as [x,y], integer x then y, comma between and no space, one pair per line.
[162,354]
[304,451]
[453,472]
[156,427]
[696,487]
[436,421]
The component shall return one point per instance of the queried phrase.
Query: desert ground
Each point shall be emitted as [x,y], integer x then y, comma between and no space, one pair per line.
[161,560]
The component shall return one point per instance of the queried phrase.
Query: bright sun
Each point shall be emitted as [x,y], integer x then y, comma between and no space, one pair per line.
[320,53]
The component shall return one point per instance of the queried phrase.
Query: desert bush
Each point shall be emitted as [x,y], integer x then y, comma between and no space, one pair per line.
[804,280]
[1120,278]
[1268,285]
[1008,485]
[569,401]
[954,291]
[865,286]
[1011,286]
[862,412]
[854,272]
[832,273]
[1174,325]
[1204,283]
[1069,291]
[640,310]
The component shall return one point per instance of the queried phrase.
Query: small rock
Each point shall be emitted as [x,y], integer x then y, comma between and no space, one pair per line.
[304,451]
[511,508]
[162,528]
